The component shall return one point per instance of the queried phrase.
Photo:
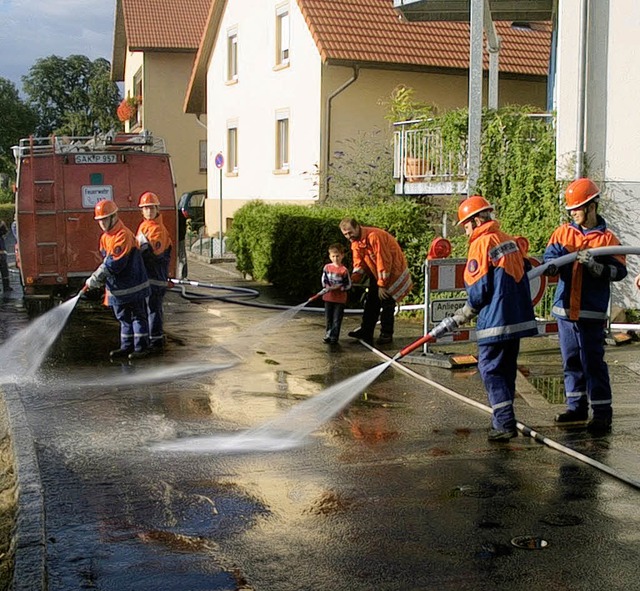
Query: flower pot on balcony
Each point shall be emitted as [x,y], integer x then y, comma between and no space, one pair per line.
[415,169]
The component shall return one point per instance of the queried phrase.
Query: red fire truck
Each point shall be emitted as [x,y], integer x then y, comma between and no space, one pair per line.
[59,181]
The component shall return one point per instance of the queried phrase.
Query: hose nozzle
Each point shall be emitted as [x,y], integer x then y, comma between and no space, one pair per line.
[428,338]
[319,294]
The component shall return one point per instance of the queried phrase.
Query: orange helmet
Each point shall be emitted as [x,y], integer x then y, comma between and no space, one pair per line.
[147,199]
[580,192]
[104,209]
[472,206]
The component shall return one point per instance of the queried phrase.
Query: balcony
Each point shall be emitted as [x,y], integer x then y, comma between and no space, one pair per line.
[421,166]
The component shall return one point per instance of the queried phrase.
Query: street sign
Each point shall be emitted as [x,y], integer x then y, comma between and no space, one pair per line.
[440,309]
[219,160]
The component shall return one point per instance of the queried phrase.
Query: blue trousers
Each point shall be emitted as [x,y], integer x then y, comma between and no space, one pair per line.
[333,315]
[134,325]
[156,316]
[498,365]
[586,375]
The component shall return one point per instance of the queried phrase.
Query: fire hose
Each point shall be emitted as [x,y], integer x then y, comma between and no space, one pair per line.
[524,429]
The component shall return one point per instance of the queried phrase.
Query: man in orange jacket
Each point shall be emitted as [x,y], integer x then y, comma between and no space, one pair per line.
[378,256]
[127,284]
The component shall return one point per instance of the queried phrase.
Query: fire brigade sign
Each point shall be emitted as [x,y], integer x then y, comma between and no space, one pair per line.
[91,194]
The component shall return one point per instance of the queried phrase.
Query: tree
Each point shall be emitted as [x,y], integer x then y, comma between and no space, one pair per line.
[361,172]
[17,120]
[72,95]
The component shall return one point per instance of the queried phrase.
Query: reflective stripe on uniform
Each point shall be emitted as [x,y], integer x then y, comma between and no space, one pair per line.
[506,330]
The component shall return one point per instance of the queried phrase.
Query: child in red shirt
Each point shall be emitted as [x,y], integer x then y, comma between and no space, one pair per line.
[336,280]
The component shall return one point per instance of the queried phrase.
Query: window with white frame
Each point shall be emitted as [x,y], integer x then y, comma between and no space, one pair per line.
[202,152]
[282,34]
[232,147]
[232,54]
[282,140]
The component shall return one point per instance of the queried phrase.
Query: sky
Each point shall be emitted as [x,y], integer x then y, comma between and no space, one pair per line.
[33,29]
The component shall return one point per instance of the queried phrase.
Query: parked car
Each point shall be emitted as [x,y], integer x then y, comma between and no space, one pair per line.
[191,207]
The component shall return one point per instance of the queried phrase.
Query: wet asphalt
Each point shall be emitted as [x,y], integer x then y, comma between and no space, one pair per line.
[400,491]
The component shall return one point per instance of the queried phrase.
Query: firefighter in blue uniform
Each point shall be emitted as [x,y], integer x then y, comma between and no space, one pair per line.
[127,285]
[580,306]
[155,245]
[498,293]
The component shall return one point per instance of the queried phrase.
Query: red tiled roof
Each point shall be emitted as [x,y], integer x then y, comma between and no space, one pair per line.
[164,24]
[372,31]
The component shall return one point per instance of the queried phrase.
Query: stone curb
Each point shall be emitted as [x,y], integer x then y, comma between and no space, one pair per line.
[30,545]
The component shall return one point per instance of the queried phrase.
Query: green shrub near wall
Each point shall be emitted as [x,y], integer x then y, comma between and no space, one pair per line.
[286,245]
[6,212]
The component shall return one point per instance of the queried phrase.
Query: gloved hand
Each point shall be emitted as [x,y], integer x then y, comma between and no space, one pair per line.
[551,270]
[445,326]
[93,282]
[97,278]
[464,314]
[383,293]
[586,258]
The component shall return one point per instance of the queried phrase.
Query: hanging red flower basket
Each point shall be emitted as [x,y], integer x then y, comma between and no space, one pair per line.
[127,109]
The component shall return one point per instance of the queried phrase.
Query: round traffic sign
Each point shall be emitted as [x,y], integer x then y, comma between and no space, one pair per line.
[219,160]
[537,284]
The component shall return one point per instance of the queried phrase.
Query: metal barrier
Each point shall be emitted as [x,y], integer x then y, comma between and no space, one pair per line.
[447,276]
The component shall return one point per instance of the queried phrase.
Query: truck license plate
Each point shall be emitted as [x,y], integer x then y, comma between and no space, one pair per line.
[96,158]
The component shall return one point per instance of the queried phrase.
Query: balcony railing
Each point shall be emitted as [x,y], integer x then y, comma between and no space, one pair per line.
[422,165]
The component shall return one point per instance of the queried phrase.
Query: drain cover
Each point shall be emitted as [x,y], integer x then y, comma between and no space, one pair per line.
[529,542]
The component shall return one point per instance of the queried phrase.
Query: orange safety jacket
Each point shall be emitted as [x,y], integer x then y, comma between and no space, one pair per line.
[126,277]
[378,254]
[579,295]
[155,244]
[497,286]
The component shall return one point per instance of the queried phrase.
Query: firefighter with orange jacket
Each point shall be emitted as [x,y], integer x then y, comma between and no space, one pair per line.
[127,286]
[155,245]
[498,293]
[580,306]
[377,255]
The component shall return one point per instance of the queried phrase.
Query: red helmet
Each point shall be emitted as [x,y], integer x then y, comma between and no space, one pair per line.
[580,192]
[104,209]
[472,206]
[147,199]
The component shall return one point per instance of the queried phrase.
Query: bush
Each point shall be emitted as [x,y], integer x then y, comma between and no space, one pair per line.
[286,245]
[6,213]
[6,196]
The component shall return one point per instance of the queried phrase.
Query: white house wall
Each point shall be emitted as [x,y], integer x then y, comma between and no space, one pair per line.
[612,125]
[252,102]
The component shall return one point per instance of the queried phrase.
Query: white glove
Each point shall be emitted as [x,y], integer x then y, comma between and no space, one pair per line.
[464,314]
[447,325]
[586,258]
[97,279]
[92,282]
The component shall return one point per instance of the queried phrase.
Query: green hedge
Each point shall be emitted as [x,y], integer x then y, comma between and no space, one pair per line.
[286,245]
[6,212]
